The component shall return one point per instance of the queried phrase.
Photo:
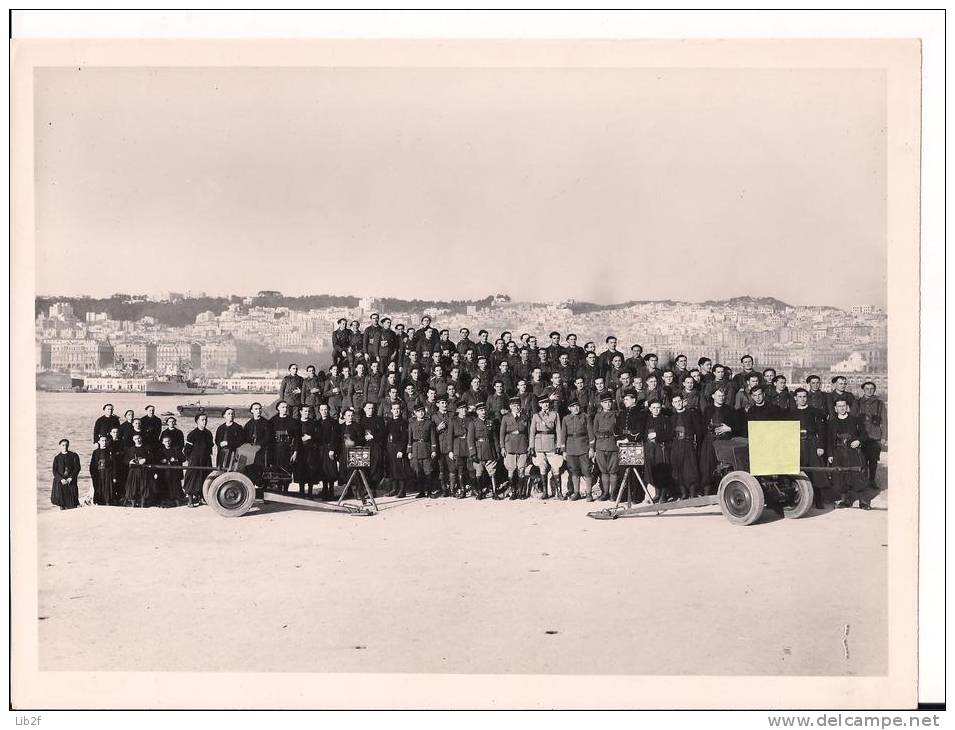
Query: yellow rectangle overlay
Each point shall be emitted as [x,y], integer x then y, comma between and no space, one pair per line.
[773,447]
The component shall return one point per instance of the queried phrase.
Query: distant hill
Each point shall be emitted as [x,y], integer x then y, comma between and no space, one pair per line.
[585,307]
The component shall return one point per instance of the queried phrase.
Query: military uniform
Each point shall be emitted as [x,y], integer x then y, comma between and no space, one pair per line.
[546,438]
[334,394]
[872,412]
[514,446]
[483,451]
[578,441]
[442,426]
[459,455]
[312,392]
[606,451]
[287,392]
[422,442]
[397,468]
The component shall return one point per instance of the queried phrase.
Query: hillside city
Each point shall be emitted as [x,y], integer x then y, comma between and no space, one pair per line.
[246,345]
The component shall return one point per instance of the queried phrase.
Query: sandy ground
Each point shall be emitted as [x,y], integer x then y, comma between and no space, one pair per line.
[462,587]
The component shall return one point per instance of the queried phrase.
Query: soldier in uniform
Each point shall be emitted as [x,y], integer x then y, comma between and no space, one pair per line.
[328,439]
[291,390]
[387,343]
[818,398]
[651,360]
[514,446]
[229,437]
[719,422]
[782,398]
[575,353]
[341,342]
[459,456]
[105,423]
[839,391]
[483,347]
[845,436]
[684,456]
[589,370]
[635,363]
[497,402]
[680,370]
[605,361]
[374,379]
[579,445]
[812,441]
[526,399]
[398,467]
[482,449]
[475,395]
[333,391]
[284,436]
[744,396]
[623,385]
[356,345]
[582,394]
[465,342]
[384,405]
[422,449]
[741,380]
[371,338]
[442,427]
[872,412]
[556,393]
[719,381]
[311,389]
[605,445]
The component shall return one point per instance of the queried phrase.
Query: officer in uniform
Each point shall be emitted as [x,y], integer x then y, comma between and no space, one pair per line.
[514,446]
[422,449]
[482,449]
[546,440]
[579,445]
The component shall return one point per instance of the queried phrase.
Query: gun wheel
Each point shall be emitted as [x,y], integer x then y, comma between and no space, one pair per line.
[211,477]
[231,494]
[741,498]
[802,500]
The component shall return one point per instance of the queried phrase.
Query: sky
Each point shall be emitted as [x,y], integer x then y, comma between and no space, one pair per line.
[604,185]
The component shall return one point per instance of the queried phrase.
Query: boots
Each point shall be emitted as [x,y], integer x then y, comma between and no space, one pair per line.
[401,489]
[512,485]
[423,489]
[452,485]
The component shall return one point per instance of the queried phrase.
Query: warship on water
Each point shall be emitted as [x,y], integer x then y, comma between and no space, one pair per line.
[178,385]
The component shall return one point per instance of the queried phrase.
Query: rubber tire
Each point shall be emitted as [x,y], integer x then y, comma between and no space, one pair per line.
[754,491]
[207,483]
[225,500]
[801,509]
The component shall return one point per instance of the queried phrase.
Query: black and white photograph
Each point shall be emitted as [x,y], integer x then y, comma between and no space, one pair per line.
[553,364]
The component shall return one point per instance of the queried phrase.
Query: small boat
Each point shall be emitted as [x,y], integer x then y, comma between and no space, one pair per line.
[215,410]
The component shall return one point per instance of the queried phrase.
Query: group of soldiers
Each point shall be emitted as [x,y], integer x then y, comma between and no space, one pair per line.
[502,420]
[496,419]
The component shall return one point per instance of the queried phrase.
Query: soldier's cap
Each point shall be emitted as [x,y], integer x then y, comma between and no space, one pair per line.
[386,319]
[441,399]
[514,401]
[481,407]
[573,402]
[630,392]
[606,397]
[459,405]
[418,407]
[543,399]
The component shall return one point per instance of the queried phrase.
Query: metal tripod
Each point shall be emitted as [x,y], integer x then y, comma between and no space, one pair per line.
[359,471]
